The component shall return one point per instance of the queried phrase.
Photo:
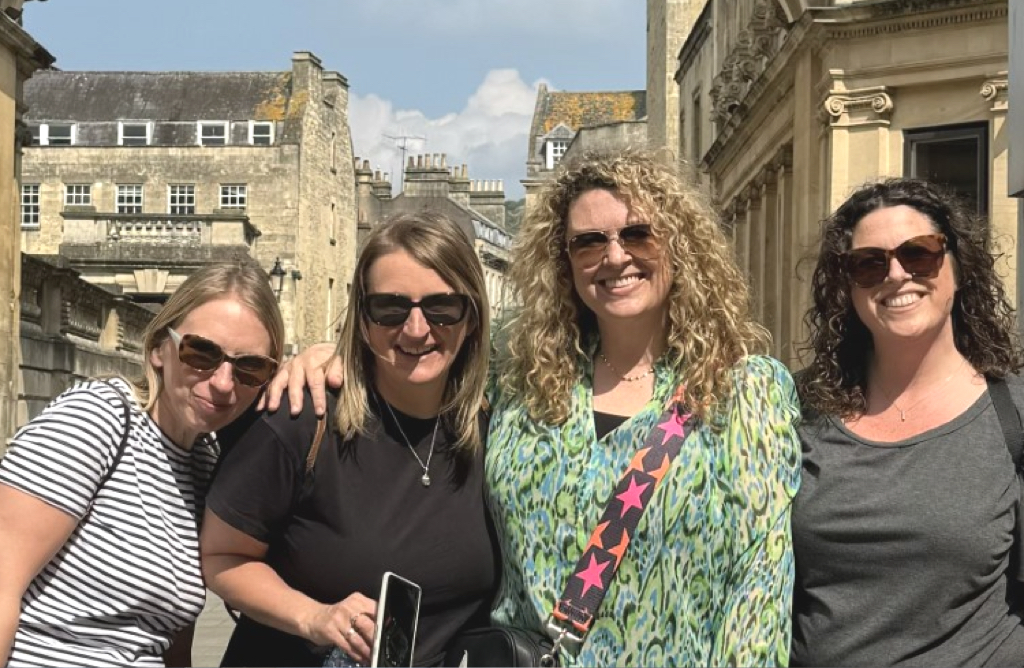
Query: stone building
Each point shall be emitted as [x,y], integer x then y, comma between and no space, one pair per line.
[20,57]
[429,184]
[786,108]
[138,178]
[611,118]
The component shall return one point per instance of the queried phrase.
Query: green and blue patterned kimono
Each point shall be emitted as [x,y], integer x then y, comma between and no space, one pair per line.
[707,579]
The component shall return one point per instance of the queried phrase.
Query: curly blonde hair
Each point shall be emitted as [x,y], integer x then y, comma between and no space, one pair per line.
[709,325]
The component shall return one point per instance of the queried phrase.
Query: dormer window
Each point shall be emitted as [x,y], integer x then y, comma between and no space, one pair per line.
[213,133]
[261,133]
[133,134]
[555,150]
[54,134]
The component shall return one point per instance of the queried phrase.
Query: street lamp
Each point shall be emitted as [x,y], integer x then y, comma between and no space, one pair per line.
[277,278]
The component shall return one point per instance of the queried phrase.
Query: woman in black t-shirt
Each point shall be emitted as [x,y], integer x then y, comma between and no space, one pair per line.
[397,483]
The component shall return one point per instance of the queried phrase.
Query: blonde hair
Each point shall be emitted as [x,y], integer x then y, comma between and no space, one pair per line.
[440,245]
[241,279]
[709,326]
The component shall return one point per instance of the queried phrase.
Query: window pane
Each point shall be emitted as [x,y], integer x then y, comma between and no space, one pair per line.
[134,134]
[60,135]
[30,205]
[129,198]
[261,134]
[77,195]
[213,134]
[182,200]
[954,156]
[233,197]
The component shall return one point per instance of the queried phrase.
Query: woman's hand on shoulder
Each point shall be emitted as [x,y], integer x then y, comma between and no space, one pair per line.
[348,624]
[313,367]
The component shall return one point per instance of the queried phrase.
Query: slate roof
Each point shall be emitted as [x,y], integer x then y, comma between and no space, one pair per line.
[158,96]
[577,110]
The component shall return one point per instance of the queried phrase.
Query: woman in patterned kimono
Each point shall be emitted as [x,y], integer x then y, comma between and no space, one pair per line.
[629,292]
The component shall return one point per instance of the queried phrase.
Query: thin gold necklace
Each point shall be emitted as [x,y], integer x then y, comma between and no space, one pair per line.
[628,379]
[903,411]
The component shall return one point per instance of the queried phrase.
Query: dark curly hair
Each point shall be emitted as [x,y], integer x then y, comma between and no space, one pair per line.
[984,326]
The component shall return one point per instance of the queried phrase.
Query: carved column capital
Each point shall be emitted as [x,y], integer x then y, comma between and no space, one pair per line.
[996,91]
[861,106]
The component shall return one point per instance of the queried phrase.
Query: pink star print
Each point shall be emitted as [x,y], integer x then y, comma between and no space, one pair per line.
[631,497]
[592,576]
[673,426]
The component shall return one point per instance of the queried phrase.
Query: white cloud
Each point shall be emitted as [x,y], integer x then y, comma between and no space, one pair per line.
[489,134]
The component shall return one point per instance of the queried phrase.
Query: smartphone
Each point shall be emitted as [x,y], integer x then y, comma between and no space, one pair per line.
[398,613]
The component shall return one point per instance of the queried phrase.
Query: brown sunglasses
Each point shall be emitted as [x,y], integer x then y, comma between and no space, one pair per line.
[204,355]
[921,257]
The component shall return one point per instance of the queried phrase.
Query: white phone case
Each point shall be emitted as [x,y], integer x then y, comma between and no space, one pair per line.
[389,584]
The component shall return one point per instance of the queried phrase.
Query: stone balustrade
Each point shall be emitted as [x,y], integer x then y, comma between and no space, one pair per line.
[70,330]
[225,228]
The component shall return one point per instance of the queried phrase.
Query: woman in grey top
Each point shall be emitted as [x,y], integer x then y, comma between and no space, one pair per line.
[906,521]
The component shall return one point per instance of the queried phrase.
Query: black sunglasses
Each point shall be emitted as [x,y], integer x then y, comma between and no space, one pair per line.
[921,257]
[390,310]
[587,248]
[204,355]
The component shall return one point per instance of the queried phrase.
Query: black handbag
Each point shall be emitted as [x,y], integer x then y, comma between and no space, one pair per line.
[501,646]
[574,612]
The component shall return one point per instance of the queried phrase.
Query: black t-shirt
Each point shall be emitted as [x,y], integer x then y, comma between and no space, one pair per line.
[365,513]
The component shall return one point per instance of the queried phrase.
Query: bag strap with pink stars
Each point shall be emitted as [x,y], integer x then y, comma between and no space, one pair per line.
[575,610]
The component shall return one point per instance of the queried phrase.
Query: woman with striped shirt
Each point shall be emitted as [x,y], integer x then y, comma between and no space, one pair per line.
[99,516]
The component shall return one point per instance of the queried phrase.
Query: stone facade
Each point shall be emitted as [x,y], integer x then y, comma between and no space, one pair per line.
[20,57]
[668,24]
[138,178]
[477,206]
[787,109]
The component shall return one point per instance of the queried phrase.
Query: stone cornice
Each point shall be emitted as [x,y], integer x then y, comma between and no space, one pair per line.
[996,91]
[862,106]
[886,18]
[31,56]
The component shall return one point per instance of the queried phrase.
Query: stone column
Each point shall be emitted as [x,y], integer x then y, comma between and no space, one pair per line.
[755,249]
[790,287]
[859,136]
[1003,213]
[773,291]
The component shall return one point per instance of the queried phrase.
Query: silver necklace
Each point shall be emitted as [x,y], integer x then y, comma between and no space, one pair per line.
[903,411]
[425,480]
[628,379]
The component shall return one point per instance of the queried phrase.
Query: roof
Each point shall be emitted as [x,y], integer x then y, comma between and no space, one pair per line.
[576,110]
[157,96]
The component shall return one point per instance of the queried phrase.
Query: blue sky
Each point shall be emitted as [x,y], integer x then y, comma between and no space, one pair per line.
[461,73]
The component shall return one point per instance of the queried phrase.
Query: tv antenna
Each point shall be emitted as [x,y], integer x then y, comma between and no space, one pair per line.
[402,142]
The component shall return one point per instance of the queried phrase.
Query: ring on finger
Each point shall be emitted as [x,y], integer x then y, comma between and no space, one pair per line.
[351,631]
[355,617]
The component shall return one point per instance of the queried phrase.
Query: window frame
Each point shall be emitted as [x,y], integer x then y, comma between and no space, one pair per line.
[241,193]
[224,125]
[84,195]
[270,134]
[554,145]
[125,200]
[914,137]
[172,205]
[145,124]
[29,208]
[46,140]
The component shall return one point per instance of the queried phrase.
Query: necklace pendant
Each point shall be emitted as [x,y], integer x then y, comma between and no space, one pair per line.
[425,480]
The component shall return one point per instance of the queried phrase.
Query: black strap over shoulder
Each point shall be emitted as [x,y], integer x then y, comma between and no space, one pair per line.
[1009,419]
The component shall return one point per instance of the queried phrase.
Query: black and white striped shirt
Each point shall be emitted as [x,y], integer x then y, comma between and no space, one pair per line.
[128,579]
